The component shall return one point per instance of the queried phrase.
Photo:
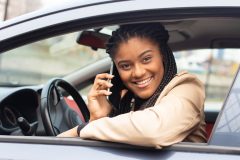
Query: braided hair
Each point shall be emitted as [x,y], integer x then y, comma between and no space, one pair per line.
[154,32]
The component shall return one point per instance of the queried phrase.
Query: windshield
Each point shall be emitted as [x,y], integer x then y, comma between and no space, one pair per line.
[36,63]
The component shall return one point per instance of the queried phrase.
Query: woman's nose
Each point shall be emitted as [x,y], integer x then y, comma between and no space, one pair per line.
[138,71]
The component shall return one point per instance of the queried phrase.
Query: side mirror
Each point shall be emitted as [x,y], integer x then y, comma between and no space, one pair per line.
[93,39]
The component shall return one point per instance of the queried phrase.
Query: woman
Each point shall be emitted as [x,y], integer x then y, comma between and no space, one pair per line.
[150,104]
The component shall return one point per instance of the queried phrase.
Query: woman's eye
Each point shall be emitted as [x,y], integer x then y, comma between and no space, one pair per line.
[125,66]
[147,59]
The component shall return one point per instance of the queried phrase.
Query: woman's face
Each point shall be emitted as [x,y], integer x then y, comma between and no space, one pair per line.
[140,66]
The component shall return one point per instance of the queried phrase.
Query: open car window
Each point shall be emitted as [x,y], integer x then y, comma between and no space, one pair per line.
[38,62]
[61,55]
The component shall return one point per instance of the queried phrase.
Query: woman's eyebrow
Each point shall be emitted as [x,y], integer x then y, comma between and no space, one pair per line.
[123,61]
[144,52]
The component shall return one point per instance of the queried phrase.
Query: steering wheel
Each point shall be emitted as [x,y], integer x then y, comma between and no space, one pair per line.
[56,115]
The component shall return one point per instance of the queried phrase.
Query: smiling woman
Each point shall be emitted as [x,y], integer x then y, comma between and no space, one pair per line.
[149,103]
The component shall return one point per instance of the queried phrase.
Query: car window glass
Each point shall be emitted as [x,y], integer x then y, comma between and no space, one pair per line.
[227,129]
[216,68]
[36,63]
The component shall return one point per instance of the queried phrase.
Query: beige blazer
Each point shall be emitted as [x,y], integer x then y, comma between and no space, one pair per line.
[178,115]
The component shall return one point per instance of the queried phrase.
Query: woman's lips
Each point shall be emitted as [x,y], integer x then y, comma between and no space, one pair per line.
[143,83]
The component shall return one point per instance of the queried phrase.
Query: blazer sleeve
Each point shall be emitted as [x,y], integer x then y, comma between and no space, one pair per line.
[170,121]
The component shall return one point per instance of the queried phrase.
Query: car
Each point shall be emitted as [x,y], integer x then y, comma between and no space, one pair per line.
[49,59]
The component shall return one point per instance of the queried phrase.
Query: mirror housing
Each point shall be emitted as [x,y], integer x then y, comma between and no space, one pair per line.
[93,39]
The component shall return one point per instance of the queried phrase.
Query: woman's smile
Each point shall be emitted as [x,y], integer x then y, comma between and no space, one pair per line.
[143,83]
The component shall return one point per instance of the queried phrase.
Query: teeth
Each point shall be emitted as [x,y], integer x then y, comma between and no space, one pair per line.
[145,81]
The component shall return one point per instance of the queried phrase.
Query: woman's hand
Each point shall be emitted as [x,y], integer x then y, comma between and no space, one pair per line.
[98,105]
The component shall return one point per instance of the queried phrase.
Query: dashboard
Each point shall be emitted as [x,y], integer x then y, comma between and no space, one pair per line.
[16,105]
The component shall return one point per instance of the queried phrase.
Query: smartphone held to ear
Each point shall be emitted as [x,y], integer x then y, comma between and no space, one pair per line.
[110,72]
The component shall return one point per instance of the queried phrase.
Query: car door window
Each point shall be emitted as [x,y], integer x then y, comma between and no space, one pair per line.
[227,128]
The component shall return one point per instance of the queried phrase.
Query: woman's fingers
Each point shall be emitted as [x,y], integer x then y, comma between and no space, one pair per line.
[98,93]
[103,84]
[101,81]
[103,93]
[104,76]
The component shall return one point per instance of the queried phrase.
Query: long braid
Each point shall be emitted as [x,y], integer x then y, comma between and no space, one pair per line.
[155,32]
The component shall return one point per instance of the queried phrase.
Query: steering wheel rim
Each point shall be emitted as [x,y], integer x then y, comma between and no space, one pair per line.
[60,110]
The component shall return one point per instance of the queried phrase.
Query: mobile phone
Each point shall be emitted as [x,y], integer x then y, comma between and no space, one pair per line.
[110,72]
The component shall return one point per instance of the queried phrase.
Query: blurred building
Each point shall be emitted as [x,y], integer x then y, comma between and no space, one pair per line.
[13,8]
